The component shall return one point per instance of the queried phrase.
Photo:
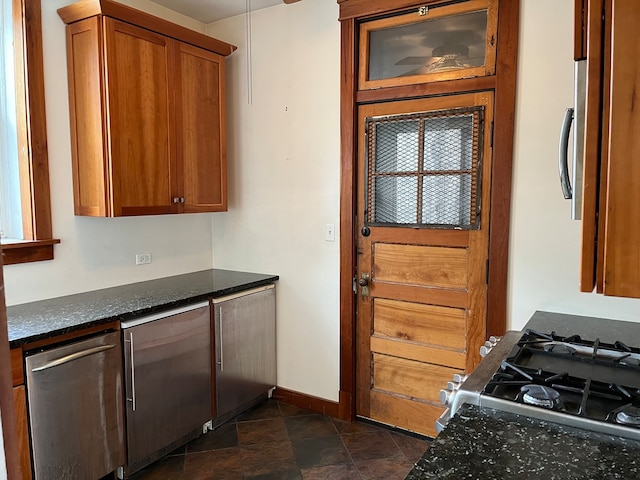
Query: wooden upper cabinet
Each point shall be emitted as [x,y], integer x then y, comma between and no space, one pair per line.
[147,113]
[434,42]
[611,206]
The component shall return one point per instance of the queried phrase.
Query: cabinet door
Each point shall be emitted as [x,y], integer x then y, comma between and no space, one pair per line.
[140,90]
[245,349]
[622,237]
[200,126]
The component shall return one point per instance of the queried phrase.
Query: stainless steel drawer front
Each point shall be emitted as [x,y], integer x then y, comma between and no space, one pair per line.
[168,381]
[75,409]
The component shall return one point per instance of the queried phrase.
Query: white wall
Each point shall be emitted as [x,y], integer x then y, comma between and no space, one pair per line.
[284,179]
[544,245]
[96,252]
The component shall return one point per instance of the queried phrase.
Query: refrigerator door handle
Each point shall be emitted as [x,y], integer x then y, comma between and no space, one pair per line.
[563,154]
[132,399]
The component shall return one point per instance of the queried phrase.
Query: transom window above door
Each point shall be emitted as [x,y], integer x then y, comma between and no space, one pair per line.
[440,41]
[423,169]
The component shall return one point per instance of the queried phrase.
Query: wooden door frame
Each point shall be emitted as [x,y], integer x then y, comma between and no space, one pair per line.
[504,85]
[9,428]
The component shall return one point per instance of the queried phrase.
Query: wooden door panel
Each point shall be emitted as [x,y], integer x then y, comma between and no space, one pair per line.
[140,96]
[414,293]
[420,265]
[404,413]
[415,322]
[420,353]
[416,380]
[200,107]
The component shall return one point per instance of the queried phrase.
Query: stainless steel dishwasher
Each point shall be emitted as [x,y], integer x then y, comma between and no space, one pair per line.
[76,408]
[167,360]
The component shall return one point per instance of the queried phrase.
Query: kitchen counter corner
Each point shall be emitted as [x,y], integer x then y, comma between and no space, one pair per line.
[489,444]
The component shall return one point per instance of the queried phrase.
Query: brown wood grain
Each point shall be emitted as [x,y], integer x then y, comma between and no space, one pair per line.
[308,402]
[410,379]
[362,8]
[88,8]
[22,427]
[7,406]
[202,166]
[348,157]
[621,252]
[87,118]
[29,251]
[143,156]
[421,265]
[447,87]
[579,30]
[17,370]
[604,150]
[592,146]
[504,124]
[403,413]
[419,323]
[433,354]
[32,133]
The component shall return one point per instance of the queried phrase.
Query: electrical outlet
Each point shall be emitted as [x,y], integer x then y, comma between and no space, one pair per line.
[143,258]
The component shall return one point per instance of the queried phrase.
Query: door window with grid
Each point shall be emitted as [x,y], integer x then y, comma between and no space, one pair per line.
[423,169]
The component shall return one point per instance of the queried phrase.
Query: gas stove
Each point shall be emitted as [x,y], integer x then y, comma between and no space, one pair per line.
[581,382]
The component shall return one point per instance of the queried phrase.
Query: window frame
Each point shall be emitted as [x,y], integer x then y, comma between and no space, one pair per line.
[32,139]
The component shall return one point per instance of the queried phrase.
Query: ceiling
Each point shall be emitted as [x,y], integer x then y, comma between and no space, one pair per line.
[208,11]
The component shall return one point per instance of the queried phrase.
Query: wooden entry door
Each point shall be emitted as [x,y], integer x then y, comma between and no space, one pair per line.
[424,178]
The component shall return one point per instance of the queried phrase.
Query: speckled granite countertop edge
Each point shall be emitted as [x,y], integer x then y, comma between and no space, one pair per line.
[44,319]
[480,442]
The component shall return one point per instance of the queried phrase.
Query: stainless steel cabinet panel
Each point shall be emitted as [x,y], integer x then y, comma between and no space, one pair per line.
[168,381]
[75,409]
[245,348]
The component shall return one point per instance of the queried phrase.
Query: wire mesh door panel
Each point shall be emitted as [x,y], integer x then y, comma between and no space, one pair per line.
[423,170]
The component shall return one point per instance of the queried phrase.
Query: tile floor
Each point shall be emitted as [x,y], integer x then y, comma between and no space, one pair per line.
[276,441]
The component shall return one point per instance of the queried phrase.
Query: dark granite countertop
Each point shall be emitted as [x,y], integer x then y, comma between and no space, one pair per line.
[43,319]
[590,328]
[482,443]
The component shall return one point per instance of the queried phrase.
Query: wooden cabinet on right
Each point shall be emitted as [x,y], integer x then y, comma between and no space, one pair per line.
[147,113]
[611,197]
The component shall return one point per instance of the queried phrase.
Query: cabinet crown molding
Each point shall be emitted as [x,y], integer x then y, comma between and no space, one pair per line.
[90,8]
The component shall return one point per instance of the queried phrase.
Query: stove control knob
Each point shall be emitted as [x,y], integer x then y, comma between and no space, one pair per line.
[488,345]
[458,377]
[446,396]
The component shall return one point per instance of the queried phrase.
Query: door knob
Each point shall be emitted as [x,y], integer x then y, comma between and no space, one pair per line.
[363,281]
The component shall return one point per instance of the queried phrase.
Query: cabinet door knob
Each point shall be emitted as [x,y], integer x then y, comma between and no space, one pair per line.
[176,199]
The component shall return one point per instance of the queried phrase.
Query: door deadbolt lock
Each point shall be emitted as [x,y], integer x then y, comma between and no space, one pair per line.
[366,231]
[364,284]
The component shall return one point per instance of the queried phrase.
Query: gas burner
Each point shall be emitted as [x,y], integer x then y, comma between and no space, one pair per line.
[628,415]
[561,348]
[541,396]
